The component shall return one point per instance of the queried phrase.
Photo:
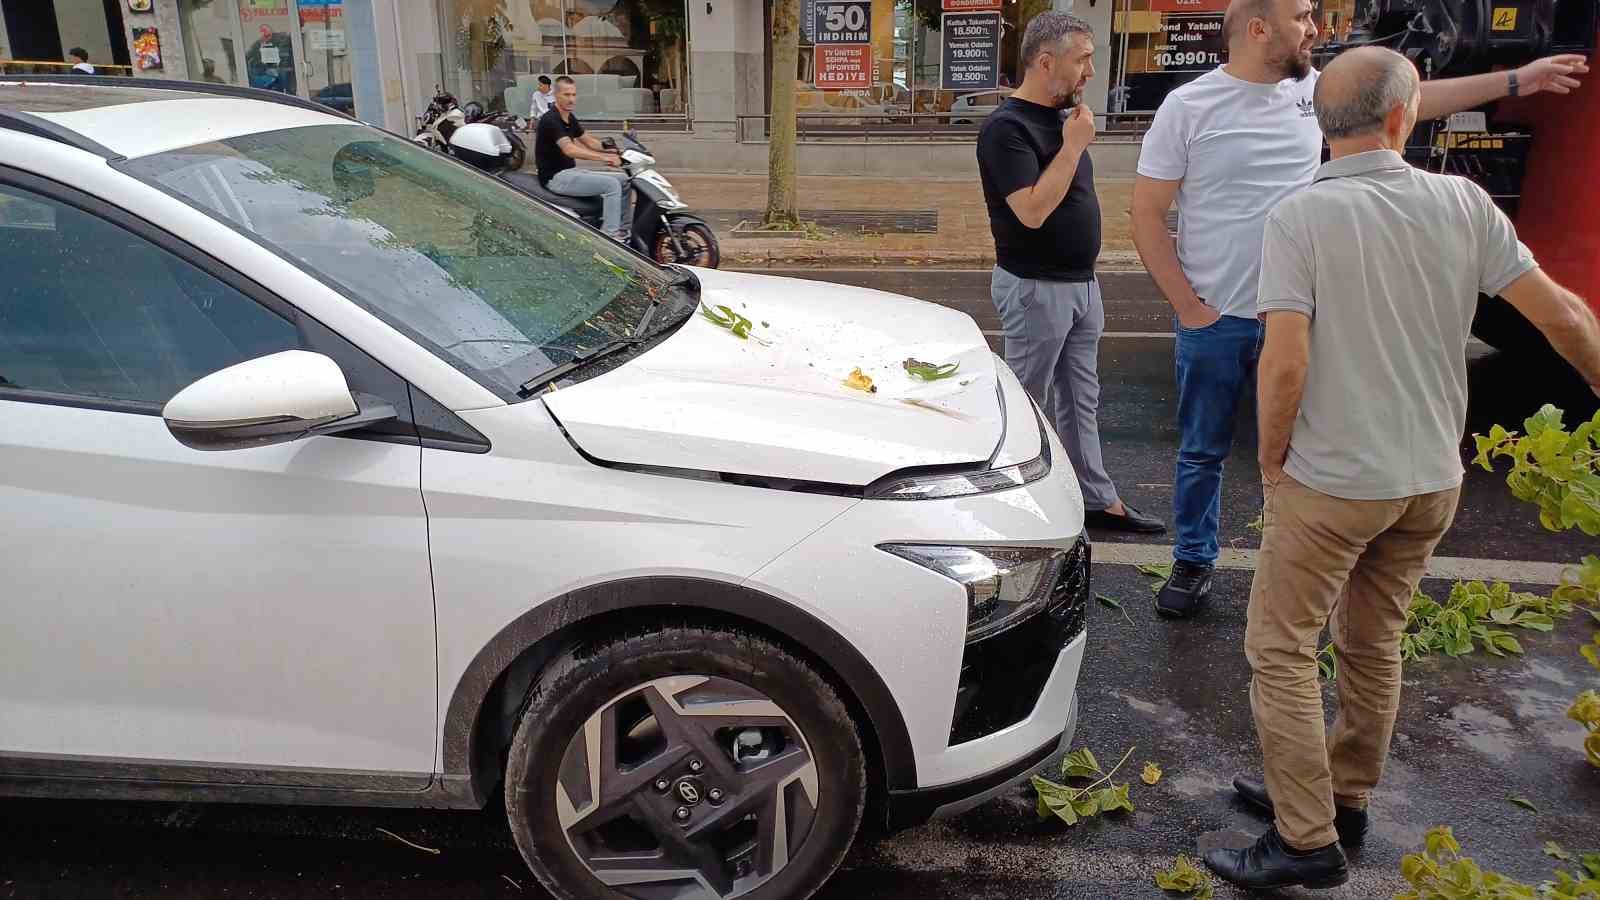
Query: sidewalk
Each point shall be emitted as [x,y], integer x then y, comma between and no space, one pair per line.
[878,222]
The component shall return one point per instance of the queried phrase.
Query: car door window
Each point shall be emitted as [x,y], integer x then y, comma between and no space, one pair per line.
[90,309]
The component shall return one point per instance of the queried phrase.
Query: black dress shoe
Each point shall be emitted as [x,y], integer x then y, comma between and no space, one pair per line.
[1351,823]
[1269,864]
[1186,590]
[1135,522]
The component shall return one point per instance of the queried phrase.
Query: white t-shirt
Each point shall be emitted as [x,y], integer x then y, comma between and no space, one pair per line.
[1239,147]
[84,67]
[539,105]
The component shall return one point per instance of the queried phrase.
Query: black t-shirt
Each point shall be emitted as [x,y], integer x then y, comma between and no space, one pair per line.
[1017,143]
[547,155]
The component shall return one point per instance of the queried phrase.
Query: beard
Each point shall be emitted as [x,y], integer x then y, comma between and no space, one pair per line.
[1296,64]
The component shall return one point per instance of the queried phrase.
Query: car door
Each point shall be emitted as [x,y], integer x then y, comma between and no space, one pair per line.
[263,614]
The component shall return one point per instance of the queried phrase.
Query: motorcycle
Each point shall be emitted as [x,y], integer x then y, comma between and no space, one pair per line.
[661,227]
[439,121]
[510,124]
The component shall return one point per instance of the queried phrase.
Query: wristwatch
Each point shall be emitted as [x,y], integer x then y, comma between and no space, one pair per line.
[1511,79]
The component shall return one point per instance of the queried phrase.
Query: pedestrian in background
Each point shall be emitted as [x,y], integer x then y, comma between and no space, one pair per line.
[1227,147]
[1038,184]
[541,100]
[81,64]
[1362,404]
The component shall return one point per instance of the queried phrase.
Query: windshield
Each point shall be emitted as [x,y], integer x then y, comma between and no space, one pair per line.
[497,285]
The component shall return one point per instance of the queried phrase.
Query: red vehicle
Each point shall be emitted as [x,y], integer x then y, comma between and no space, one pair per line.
[1536,155]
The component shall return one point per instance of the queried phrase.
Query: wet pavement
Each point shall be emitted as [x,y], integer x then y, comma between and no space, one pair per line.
[1472,732]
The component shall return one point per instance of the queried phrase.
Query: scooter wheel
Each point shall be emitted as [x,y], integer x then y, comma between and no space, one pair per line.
[698,243]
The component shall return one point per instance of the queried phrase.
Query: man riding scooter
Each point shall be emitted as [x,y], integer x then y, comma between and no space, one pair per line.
[560,142]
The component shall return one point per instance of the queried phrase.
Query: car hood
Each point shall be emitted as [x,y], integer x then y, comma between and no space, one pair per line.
[776,404]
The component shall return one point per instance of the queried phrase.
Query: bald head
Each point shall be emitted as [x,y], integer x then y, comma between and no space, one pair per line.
[1360,88]
[1237,19]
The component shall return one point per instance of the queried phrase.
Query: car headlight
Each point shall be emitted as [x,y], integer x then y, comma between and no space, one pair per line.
[940,486]
[1004,584]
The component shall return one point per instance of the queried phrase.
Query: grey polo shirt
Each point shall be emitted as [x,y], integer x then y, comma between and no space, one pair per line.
[1387,261]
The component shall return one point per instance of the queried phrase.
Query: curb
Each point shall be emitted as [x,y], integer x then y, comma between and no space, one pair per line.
[822,255]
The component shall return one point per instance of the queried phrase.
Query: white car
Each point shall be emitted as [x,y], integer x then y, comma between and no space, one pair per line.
[336,472]
[970,109]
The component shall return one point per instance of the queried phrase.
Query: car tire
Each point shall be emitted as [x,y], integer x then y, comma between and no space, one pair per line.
[664,724]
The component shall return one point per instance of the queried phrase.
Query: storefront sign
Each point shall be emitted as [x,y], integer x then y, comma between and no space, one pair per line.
[843,67]
[843,22]
[970,60]
[971,5]
[1188,44]
[330,39]
[263,9]
[320,11]
[1189,6]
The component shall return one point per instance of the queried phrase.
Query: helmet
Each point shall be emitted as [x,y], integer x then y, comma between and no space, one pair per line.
[473,110]
[481,145]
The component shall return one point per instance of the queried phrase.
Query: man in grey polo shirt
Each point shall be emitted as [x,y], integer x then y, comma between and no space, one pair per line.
[1369,280]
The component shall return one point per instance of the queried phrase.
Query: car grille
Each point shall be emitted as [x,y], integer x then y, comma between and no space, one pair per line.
[1003,675]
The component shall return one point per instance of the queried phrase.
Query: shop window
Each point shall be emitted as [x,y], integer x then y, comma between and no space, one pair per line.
[904,90]
[629,57]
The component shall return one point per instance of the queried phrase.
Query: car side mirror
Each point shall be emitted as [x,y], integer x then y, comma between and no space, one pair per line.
[269,400]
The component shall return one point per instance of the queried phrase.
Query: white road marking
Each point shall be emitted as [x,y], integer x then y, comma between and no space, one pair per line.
[1453,568]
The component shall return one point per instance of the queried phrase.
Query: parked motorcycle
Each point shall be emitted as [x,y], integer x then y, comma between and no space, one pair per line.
[509,123]
[661,228]
[439,121]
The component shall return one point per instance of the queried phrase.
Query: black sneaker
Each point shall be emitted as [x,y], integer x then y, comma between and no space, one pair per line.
[1134,521]
[1351,823]
[1270,864]
[1186,590]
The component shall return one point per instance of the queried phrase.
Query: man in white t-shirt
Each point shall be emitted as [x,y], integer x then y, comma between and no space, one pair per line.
[541,101]
[80,60]
[1227,147]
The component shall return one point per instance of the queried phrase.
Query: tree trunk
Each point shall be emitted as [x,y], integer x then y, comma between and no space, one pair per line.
[782,204]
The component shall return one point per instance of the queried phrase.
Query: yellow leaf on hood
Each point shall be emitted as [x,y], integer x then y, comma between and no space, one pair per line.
[1152,773]
[860,381]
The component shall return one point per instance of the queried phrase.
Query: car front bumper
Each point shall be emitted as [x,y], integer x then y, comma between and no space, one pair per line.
[909,808]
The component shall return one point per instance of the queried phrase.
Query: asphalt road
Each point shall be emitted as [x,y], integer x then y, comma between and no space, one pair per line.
[1472,732]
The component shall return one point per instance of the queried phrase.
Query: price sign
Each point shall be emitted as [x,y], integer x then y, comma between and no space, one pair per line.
[970,60]
[1188,44]
[842,22]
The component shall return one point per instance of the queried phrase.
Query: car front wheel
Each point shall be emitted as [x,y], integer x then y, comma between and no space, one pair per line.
[686,762]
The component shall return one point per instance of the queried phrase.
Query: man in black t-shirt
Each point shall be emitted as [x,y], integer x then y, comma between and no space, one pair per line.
[560,142]
[1038,183]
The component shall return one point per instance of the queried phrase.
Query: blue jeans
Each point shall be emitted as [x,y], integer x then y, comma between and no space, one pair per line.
[1215,366]
[607,186]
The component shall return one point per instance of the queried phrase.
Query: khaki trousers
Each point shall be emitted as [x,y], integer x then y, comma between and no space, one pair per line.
[1353,564]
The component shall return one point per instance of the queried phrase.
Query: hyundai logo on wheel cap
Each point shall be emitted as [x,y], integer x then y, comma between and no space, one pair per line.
[689,792]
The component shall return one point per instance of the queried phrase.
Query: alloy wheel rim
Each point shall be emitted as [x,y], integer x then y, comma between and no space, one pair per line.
[688,786]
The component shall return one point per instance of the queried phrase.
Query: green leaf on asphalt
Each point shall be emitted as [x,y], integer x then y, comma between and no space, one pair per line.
[1591,864]
[1054,800]
[1553,849]
[1080,764]
[1159,571]
[1113,799]
[1187,878]
[1524,802]
[1114,604]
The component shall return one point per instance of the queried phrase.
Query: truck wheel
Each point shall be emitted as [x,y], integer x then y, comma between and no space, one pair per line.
[687,762]
[1498,324]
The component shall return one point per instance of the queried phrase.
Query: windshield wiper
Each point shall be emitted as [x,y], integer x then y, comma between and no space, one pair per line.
[533,385]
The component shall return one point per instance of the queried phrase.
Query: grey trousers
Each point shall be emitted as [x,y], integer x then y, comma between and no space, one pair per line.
[1052,343]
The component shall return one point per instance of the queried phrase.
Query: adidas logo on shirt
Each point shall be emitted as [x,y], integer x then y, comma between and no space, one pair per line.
[1306,109]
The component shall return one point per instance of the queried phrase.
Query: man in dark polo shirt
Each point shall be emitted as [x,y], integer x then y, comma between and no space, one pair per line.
[1038,182]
